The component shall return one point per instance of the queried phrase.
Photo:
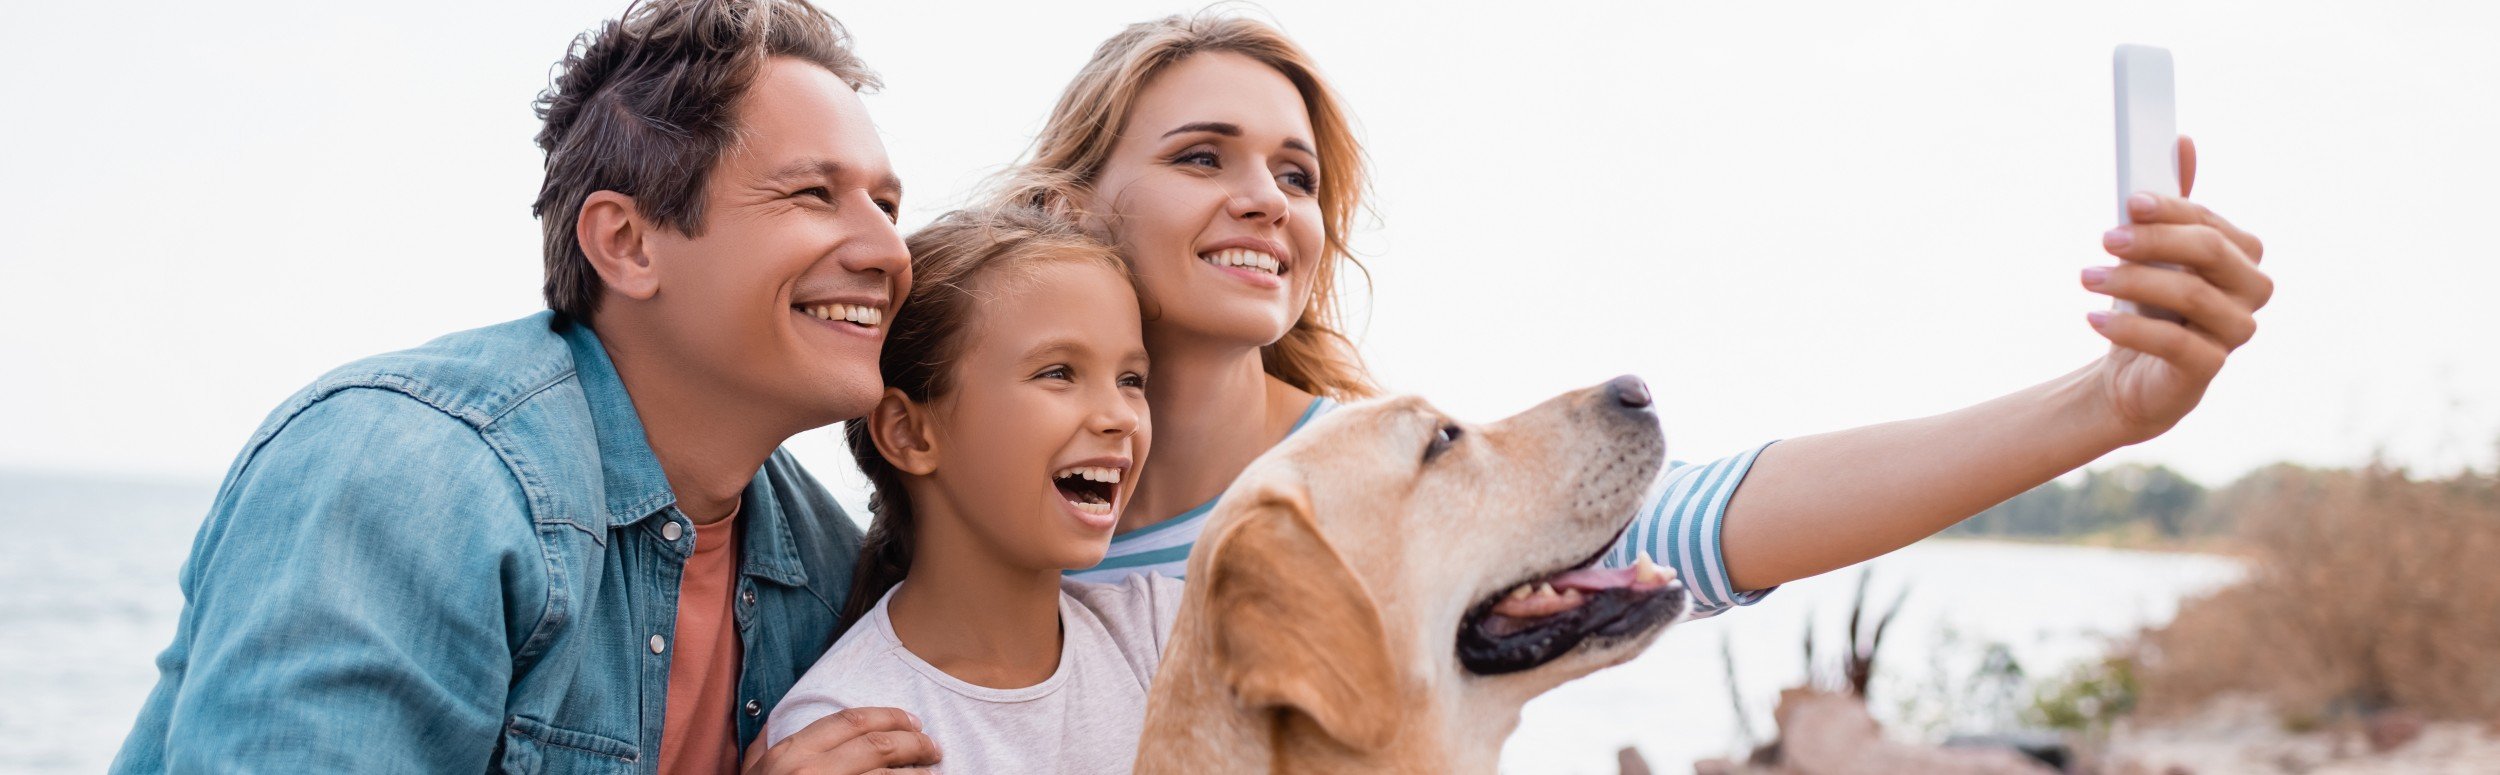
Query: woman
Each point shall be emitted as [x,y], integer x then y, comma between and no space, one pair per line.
[1211,152]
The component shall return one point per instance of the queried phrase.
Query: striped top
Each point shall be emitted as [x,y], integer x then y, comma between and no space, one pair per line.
[1678,526]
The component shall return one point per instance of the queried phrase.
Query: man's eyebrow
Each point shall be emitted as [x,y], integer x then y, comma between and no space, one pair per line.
[827,169]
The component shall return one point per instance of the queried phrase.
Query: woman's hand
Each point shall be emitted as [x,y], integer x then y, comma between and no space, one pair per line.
[2157,370]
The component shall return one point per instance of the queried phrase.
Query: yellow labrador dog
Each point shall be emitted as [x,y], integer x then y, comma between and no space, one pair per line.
[1385,589]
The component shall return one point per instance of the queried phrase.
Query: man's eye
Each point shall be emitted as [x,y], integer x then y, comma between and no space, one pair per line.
[1441,440]
[818,192]
[892,209]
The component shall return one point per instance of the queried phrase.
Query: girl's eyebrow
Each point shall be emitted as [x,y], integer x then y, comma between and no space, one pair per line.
[1054,348]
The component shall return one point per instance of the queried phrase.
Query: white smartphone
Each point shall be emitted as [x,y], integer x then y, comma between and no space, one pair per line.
[2148,138]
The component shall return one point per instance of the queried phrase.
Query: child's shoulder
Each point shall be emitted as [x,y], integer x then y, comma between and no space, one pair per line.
[1136,612]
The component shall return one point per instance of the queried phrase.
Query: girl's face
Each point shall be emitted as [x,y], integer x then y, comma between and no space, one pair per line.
[1211,193]
[1039,439]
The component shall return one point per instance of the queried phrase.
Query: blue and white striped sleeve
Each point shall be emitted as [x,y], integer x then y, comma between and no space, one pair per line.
[1678,526]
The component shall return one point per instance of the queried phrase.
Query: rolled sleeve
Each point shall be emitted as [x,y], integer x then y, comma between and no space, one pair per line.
[1679,526]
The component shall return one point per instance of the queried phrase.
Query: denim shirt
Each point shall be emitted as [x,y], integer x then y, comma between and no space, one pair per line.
[456,559]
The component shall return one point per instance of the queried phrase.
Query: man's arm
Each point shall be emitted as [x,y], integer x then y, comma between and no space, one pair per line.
[349,602]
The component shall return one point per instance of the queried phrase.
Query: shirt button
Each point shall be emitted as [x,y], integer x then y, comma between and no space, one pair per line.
[672,531]
[747,597]
[658,644]
[755,708]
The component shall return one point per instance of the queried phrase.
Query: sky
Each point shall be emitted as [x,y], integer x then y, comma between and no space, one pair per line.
[1789,217]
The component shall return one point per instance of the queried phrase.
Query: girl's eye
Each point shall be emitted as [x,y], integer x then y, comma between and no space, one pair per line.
[1132,380]
[1055,372]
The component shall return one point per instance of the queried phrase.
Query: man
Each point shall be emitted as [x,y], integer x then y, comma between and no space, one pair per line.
[570,542]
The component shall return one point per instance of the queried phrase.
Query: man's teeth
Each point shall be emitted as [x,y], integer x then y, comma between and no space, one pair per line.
[1104,474]
[1242,257]
[861,314]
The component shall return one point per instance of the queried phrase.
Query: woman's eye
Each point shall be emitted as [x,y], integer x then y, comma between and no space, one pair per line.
[1205,159]
[1441,440]
[1300,181]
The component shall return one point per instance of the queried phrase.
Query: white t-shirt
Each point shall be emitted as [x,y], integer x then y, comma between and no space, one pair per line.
[1086,718]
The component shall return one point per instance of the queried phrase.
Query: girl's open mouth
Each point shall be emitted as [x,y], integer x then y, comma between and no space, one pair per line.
[1089,488]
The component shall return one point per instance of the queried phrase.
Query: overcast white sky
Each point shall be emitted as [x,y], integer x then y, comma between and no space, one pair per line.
[1789,217]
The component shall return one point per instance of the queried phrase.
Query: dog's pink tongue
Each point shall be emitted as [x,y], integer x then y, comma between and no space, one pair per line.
[1593,579]
[1538,604]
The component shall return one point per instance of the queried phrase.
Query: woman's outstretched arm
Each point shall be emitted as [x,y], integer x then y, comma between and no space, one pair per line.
[1818,503]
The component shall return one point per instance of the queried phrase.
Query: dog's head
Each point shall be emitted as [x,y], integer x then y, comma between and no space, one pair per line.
[1389,560]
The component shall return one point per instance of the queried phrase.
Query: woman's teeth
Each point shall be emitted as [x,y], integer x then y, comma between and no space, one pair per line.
[859,314]
[1242,257]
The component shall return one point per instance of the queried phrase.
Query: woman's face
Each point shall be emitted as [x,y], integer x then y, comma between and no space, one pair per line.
[1212,196]
[1039,437]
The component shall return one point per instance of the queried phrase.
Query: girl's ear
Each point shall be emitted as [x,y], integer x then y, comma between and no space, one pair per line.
[901,429]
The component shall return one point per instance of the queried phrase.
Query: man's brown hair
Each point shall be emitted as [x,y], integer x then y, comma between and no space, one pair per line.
[644,106]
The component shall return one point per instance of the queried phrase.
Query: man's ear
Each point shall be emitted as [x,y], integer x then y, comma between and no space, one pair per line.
[901,430]
[1295,629]
[612,233]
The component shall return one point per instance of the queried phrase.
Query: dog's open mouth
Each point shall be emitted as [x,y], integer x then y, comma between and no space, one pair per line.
[1541,619]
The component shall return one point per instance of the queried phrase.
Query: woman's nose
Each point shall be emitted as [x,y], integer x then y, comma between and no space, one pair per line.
[1257,197]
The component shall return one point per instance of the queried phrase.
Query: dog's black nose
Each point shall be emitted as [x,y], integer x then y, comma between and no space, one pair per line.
[1629,391]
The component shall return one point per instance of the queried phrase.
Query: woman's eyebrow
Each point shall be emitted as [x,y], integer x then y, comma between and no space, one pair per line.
[1216,127]
[1234,130]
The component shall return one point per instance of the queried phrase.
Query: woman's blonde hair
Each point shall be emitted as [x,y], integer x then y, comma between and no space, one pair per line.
[1075,144]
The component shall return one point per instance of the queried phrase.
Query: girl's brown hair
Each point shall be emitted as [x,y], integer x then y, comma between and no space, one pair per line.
[952,261]
[1076,142]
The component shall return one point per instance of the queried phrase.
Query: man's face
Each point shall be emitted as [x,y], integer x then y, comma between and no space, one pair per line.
[781,303]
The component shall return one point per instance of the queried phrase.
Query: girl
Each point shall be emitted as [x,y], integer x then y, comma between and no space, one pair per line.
[1219,162]
[1005,446]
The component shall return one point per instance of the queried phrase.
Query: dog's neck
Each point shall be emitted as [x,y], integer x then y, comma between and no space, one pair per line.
[1195,724]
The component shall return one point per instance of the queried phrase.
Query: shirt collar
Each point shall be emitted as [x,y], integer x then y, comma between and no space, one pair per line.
[635,485]
[770,551]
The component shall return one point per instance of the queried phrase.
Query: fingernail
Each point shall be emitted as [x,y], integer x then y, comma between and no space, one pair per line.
[2098,318]
[2141,203]
[2117,238]
[915,719]
[2093,276]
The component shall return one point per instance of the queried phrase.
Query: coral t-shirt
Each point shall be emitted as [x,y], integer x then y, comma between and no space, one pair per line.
[700,734]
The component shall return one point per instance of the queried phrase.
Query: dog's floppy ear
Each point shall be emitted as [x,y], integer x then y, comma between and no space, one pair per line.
[1295,629]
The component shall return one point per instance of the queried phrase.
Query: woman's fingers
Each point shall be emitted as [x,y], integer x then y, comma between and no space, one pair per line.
[2146,208]
[2187,166]
[2207,308]
[2200,248]
[2196,355]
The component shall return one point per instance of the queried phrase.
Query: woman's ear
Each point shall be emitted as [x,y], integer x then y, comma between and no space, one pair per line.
[901,429]
[612,234]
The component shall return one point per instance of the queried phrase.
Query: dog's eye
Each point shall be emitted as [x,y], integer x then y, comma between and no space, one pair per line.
[1441,441]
